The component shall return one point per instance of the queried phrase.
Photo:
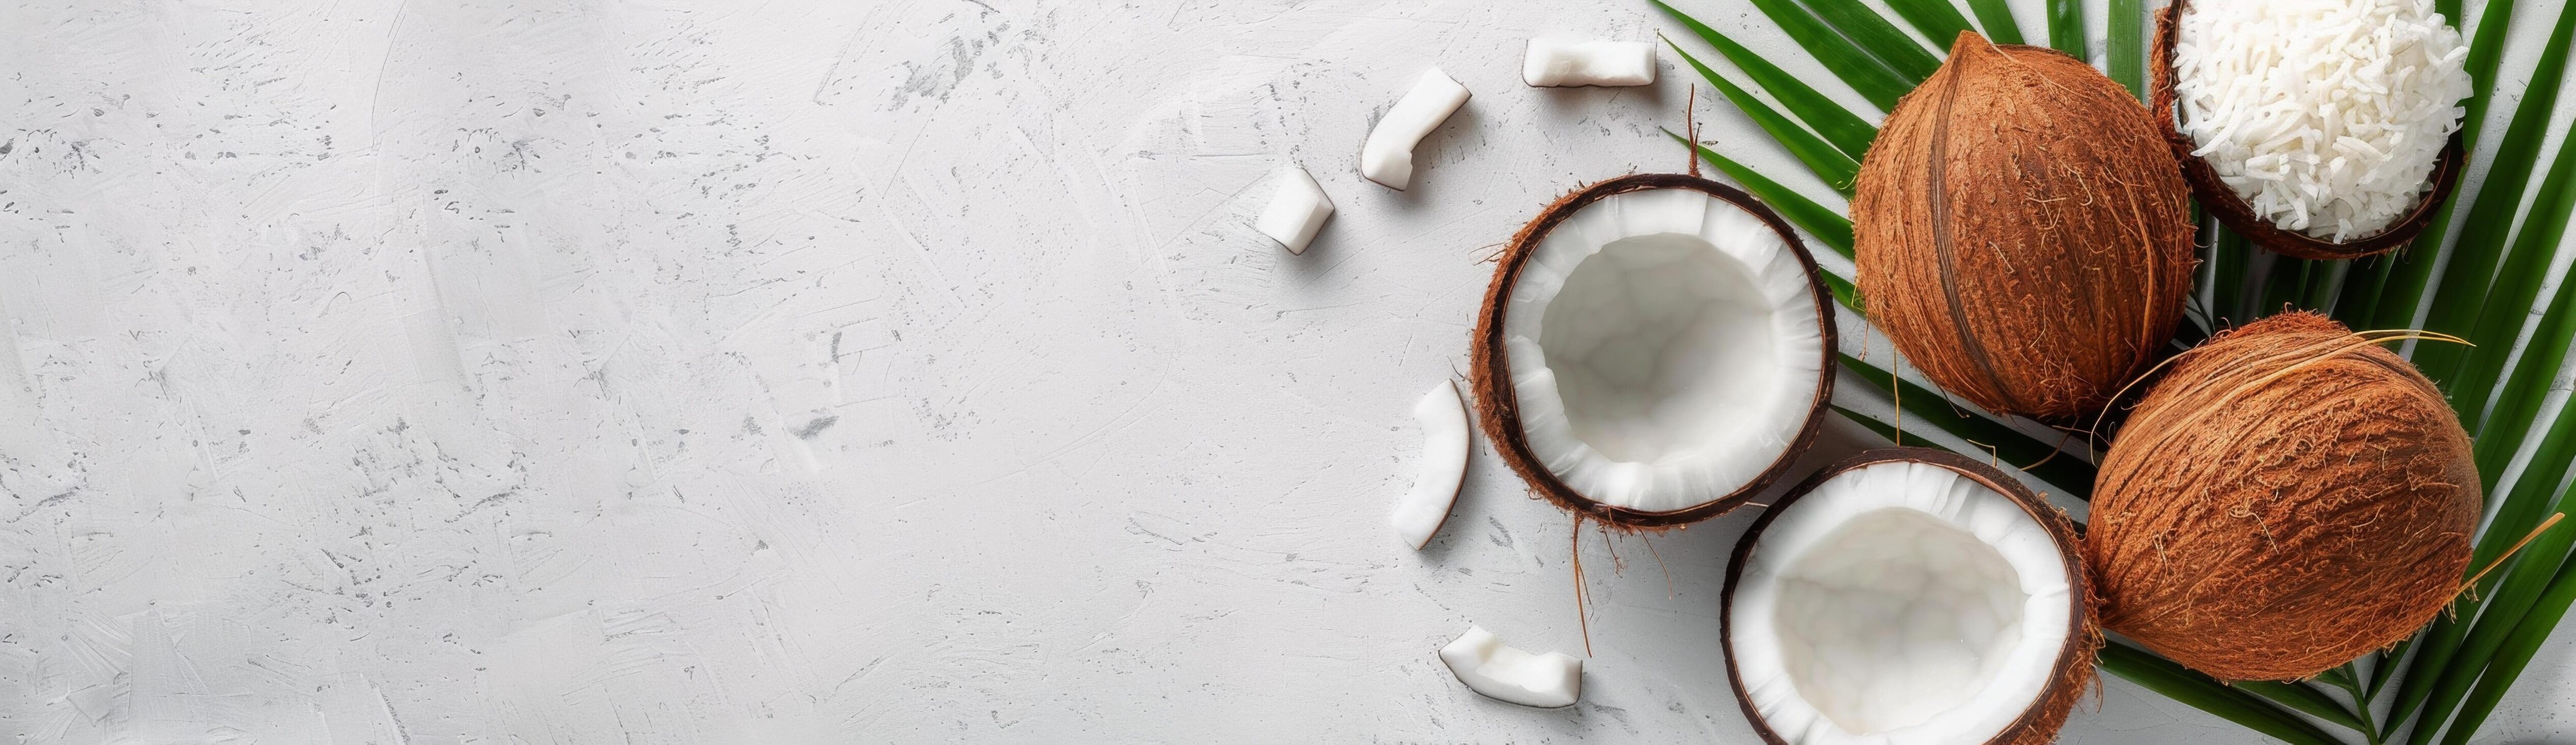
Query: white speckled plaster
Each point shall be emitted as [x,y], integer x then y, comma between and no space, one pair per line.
[705,371]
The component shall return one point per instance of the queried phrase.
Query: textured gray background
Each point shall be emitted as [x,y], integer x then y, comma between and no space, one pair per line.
[799,371]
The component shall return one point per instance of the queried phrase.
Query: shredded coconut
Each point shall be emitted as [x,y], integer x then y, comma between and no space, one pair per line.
[2324,115]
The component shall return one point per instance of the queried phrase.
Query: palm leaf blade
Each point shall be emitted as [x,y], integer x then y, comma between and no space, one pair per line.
[2126,50]
[2509,300]
[1838,170]
[2412,269]
[2458,647]
[1828,227]
[2516,652]
[2474,254]
[2066,28]
[1996,19]
[1857,69]
[1881,39]
[1847,131]
[1937,19]
[2203,693]
[2009,445]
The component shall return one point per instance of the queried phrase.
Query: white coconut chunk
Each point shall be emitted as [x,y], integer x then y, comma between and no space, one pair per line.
[1444,464]
[1899,603]
[1559,62]
[1387,157]
[1664,349]
[1297,209]
[1503,673]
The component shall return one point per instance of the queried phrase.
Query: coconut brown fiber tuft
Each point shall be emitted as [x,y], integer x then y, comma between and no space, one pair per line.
[2022,233]
[2289,496]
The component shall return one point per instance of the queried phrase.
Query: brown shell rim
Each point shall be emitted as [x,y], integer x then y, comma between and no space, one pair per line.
[2067,678]
[1490,373]
[2222,201]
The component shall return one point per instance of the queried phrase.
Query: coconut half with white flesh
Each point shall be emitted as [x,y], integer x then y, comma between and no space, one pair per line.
[1654,350]
[1908,596]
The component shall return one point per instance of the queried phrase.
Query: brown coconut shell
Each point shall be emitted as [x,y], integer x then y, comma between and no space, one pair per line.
[1498,403]
[2223,202]
[2237,215]
[2288,497]
[2068,679]
[2022,234]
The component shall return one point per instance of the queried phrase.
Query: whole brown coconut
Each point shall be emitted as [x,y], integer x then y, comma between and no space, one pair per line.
[2022,233]
[2288,497]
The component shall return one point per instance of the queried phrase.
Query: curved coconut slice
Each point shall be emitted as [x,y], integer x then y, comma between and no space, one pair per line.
[1908,596]
[2222,200]
[1387,156]
[1444,465]
[1503,673]
[1654,350]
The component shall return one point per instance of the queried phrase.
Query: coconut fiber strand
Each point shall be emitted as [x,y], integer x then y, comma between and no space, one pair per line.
[2288,497]
[2022,233]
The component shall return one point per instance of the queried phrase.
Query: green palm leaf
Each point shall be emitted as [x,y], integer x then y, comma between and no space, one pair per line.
[2502,433]
[2303,698]
[2472,254]
[1828,226]
[1846,130]
[1838,170]
[1937,19]
[1881,39]
[2203,693]
[2126,50]
[1859,70]
[2487,226]
[2459,649]
[2508,301]
[2010,445]
[2403,276]
[2515,653]
[2485,294]
[2066,27]
[1996,19]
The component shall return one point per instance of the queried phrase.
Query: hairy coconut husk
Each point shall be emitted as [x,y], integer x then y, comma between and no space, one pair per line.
[2222,201]
[2068,679]
[2023,235]
[2288,497]
[1489,367]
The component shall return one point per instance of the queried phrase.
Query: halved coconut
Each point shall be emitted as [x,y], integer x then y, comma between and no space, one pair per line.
[1654,350]
[1904,596]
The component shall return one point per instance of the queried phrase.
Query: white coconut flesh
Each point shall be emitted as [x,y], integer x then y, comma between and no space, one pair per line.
[1665,349]
[1898,603]
[1506,673]
[1561,62]
[1419,513]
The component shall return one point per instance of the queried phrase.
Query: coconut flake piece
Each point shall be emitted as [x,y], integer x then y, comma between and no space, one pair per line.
[1502,673]
[1559,62]
[1420,512]
[1387,157]
[1296,210]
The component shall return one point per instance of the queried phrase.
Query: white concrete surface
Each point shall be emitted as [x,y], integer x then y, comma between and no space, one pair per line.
[680,371]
